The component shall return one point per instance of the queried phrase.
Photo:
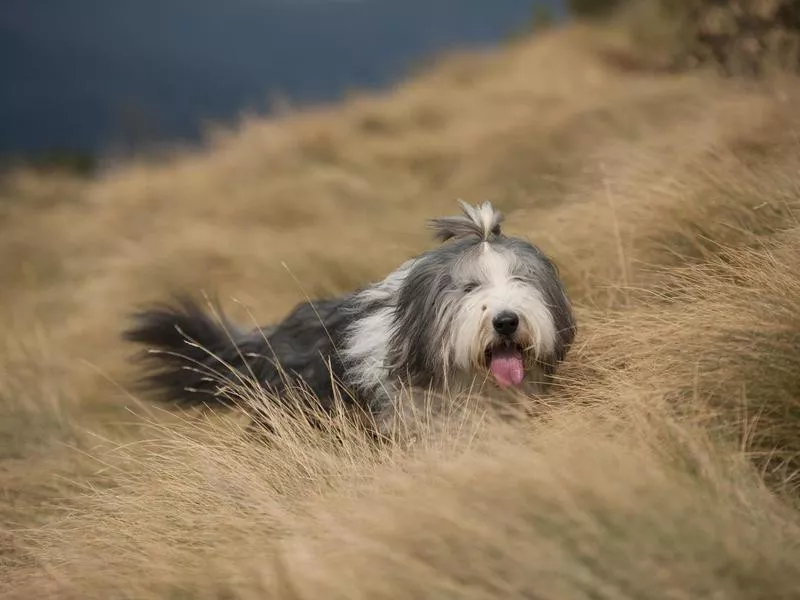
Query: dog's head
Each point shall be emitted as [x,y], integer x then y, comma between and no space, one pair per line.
[480,303]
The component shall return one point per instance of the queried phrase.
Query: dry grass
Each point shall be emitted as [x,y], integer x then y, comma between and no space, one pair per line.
[663,466]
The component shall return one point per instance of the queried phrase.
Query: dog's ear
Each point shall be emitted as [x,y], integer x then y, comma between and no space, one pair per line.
[482,221]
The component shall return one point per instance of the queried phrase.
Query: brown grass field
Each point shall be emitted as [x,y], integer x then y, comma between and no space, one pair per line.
[664,465]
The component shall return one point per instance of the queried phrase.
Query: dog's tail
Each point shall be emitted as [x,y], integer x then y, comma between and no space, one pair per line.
[192,358]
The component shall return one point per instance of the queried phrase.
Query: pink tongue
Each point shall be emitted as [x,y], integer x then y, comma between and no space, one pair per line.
[506,366]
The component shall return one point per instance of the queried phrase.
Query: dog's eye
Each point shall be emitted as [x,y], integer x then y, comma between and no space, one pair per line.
[470,287]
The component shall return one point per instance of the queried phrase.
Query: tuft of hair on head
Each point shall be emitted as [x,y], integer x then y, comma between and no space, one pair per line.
[481,220]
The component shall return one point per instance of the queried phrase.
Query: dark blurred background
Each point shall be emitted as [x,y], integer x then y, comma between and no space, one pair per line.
[87,77]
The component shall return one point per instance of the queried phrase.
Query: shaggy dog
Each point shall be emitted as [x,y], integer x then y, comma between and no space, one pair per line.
[479,306]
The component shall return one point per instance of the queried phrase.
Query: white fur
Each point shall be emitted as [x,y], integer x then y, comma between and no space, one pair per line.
[365,347]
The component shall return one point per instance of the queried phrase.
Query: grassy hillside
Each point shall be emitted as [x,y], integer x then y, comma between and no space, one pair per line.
[663,466]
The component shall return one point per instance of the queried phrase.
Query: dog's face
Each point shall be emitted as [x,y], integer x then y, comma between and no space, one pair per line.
[481,305]
[498,318]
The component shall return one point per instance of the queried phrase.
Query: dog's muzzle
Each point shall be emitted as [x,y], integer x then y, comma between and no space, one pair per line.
[504,356]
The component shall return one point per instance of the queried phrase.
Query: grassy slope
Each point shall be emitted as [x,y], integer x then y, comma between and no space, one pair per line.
[670,204]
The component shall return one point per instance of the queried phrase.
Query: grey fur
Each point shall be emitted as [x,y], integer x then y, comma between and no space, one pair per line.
[426,298]
[543,274]
[469,225]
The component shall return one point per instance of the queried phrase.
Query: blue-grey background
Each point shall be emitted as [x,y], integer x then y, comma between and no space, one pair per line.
[84,75]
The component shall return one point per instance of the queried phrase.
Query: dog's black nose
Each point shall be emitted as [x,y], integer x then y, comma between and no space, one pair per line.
[505,323]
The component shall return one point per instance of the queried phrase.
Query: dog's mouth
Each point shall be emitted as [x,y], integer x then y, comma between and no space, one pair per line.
[506,364]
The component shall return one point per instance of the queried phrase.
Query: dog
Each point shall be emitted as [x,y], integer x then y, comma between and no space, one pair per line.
[481,306]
